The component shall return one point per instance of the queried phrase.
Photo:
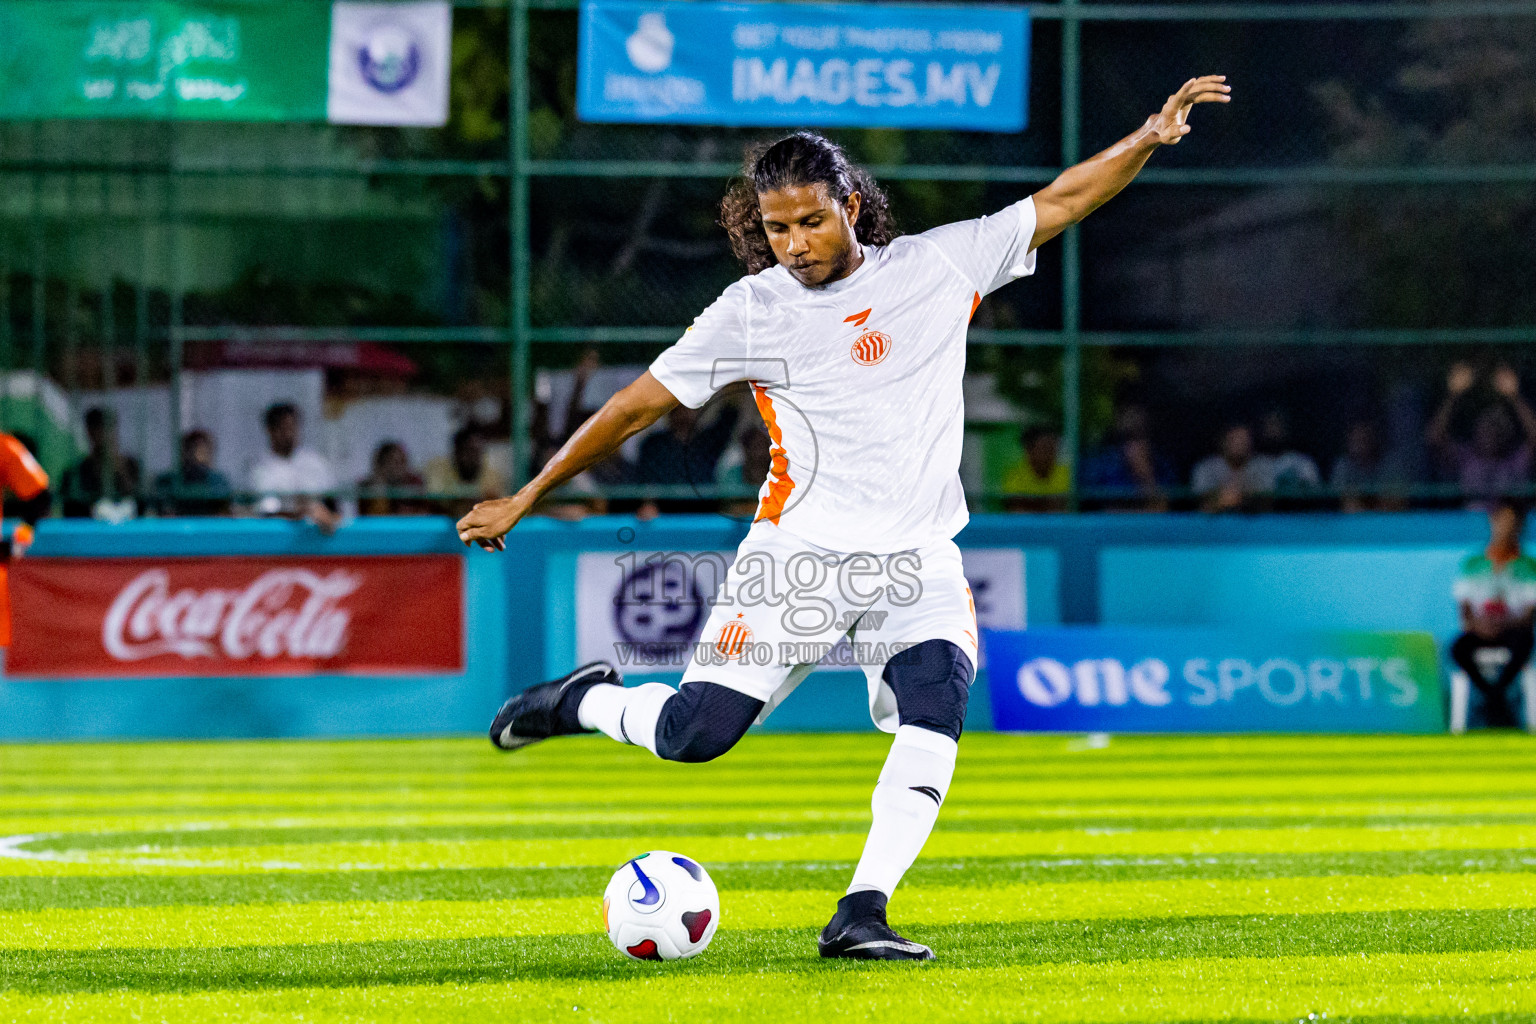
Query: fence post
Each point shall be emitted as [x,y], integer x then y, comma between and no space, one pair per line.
[39,307]
[177,332]
[1071,270]
[519,315]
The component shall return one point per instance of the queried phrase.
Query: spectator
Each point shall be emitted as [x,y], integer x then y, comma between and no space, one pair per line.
[1497,460]
[380,491]
[1366,476]
[1232,480]
[547,439]
[466,472]
[104,484]
[613,471]
[1127,462]
[685,454]
[1495,593]
[1039,481]
[289,480]
[1288,470]
[208,488]
[478,408]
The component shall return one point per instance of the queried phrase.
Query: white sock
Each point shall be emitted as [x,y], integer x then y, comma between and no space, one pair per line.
[912,786]
[626,713]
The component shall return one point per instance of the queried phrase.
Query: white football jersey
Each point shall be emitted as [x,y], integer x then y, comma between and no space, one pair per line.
[859,380]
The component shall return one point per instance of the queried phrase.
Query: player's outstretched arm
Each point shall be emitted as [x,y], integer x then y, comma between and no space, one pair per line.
[1083,188]
[621,417]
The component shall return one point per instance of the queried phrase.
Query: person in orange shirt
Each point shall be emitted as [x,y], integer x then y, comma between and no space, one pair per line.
[20,474]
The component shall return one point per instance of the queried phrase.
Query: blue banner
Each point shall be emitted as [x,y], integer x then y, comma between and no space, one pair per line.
[1212,680]
[870,65]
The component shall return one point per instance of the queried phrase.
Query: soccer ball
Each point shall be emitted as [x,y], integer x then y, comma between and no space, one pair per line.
[661,906]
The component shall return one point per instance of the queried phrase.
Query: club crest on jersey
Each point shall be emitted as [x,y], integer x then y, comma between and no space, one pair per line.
[871,348]
[733,638]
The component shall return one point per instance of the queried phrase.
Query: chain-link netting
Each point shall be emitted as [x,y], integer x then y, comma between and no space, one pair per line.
[1326,246]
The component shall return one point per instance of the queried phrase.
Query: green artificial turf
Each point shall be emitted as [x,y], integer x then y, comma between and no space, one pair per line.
[1156,879]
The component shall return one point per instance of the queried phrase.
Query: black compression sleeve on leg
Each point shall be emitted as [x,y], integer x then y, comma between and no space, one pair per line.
[703,721]
[932,684]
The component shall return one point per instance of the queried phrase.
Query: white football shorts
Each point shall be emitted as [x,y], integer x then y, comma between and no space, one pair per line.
[786,603]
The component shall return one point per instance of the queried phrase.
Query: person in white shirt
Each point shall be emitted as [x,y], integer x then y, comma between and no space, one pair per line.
[1233,478]
[853,342]
[1288,469]
[288,480]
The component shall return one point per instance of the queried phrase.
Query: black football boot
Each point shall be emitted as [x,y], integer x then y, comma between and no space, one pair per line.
[549,709]
[858,932]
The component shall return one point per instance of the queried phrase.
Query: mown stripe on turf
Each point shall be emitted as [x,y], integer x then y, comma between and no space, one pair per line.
[708,794]
[385,855]
[358,920]
[957,812]
[381,771]
[704,789]
[643,769]
[518,883]
[1402,986]
[536,958]
[468,757]
[202,835]
[417,751]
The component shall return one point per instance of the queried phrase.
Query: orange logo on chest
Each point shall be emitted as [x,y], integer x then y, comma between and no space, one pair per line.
[870,348]
[733,638]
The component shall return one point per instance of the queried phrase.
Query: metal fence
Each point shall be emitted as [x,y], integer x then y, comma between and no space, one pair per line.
[107,230]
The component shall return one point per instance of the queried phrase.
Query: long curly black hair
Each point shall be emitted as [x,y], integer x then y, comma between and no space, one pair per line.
[803,158]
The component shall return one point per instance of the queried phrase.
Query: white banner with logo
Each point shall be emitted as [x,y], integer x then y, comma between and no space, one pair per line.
[389,63]
[644,609]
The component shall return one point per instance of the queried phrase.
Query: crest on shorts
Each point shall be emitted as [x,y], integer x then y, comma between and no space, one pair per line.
[733,638]
[870,348]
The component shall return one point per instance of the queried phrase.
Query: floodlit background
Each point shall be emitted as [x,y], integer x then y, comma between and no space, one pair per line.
[426,310]
[288,285]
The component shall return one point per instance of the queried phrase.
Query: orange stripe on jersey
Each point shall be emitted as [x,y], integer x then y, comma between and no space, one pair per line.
[780,484]
[970,600]
[975,304]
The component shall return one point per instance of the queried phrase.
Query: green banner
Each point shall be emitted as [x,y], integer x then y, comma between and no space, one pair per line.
[242,60]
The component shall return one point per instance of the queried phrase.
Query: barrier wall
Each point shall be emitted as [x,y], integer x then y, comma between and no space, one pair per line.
[270,705]
[1284,572]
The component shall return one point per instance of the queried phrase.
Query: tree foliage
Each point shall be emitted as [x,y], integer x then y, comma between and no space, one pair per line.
[1438,256]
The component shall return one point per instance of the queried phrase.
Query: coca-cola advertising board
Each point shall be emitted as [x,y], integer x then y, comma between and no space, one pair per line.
[105,617]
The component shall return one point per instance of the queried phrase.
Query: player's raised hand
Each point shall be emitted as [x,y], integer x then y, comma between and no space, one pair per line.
[489,521]
[1170,123]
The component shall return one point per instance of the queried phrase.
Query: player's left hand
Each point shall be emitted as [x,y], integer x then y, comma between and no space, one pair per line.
[489,521]
[1169,124]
